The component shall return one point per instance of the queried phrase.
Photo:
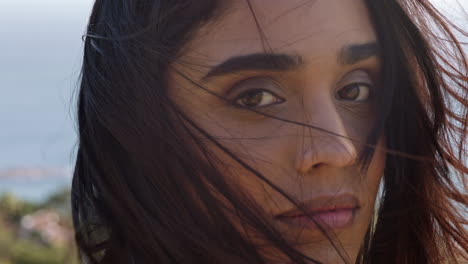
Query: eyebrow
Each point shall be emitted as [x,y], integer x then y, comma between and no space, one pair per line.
[350,54]
[256,61]
[355,53]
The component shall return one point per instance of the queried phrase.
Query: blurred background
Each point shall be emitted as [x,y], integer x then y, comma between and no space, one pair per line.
[40,57]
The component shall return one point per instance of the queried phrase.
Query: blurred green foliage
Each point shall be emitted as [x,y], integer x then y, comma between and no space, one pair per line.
[18,248]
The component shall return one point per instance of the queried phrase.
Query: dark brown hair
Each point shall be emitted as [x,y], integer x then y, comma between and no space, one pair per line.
[135,177]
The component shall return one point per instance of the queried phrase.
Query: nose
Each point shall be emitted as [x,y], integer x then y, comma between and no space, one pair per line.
[320,148]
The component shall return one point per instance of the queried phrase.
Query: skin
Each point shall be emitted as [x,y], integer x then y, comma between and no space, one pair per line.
[304,162]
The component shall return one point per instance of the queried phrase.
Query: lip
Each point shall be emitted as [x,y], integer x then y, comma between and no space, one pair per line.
[332,211]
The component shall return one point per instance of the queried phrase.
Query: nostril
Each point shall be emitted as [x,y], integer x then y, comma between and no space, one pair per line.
[316,166]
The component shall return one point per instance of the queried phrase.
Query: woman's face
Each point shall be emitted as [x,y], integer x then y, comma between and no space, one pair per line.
[324,74]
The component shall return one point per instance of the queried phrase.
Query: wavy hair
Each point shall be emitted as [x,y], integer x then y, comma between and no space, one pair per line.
[136,177]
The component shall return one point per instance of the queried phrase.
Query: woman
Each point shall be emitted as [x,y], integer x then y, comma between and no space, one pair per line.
[260,131]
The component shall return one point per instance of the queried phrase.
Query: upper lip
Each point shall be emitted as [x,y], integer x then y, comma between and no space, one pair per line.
[324,203]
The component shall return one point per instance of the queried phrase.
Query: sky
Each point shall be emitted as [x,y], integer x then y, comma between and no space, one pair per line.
[40,56]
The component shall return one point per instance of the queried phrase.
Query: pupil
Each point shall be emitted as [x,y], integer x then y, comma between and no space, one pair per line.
[253,99]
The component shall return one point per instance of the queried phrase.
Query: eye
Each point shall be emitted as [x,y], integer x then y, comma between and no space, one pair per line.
[357,92]
[257,98]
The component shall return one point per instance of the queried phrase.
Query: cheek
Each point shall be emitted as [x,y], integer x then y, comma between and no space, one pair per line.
[358,120]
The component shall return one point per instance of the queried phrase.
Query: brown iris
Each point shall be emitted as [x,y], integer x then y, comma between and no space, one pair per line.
[354,92]
[252,98]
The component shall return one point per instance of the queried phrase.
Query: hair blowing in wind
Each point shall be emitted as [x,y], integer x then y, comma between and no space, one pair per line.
[149,186]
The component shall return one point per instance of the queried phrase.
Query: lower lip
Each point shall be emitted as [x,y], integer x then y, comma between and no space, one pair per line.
[335,219]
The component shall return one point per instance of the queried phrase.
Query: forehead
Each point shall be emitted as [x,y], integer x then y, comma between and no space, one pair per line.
[311,28]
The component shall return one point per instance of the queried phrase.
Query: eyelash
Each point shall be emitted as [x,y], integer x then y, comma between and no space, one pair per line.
[370,92]
[279,99]
[282,100]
